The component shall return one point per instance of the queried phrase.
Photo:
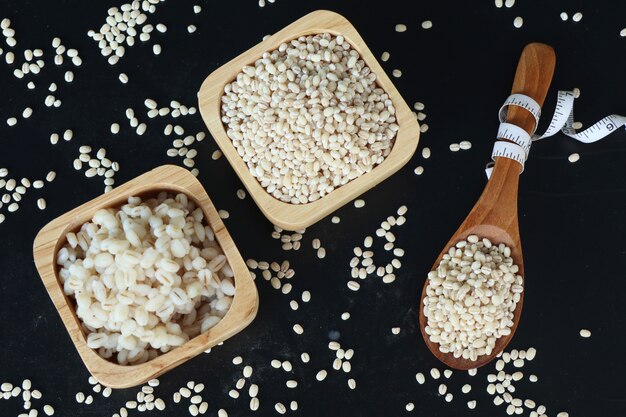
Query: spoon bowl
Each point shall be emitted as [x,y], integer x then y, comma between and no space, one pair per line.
[494,216]
[496,235]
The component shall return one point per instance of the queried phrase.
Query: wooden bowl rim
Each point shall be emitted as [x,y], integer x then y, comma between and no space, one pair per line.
[292,216]
[242,310]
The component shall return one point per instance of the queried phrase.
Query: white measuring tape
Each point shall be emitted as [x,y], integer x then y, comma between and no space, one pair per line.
[562,120]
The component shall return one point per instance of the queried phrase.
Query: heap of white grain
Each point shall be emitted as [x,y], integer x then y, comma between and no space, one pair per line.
[308,118]
[471,297]
[146,277]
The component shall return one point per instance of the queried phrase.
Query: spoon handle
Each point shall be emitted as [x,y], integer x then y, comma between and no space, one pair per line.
[532,78]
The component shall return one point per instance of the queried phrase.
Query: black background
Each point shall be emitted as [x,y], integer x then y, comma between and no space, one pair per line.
[571,215]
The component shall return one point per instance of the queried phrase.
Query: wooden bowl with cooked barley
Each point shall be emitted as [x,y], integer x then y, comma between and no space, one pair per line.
[145,277]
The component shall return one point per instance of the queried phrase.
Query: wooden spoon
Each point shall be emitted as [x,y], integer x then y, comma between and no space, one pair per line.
[495,214]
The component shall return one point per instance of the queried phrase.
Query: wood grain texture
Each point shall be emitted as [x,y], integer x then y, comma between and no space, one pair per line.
[494,216]
[293,216]
[52,237]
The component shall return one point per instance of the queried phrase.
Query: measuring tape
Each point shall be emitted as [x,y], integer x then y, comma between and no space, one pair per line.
[562,120]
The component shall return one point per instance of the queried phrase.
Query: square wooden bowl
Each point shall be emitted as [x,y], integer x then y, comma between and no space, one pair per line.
[52,237]
[298,216]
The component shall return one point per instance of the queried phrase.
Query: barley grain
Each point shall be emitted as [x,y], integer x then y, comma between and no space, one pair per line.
[280,408]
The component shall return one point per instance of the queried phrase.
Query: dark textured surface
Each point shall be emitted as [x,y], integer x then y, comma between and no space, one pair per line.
[571,215]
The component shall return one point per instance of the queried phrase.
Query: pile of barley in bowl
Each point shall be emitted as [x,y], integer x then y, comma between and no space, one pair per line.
[308,118]
[471,297]
[146,277]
